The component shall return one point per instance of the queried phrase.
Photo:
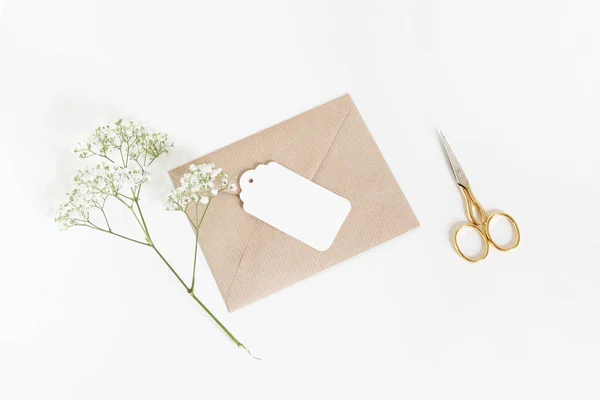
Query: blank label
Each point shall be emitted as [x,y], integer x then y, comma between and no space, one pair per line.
[293,204]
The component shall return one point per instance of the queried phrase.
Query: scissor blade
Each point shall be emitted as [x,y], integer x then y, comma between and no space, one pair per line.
[459,174]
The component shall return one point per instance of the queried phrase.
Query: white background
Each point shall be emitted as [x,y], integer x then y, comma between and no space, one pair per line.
[514,84]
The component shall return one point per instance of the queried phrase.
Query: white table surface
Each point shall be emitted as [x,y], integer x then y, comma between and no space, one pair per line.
[514,85]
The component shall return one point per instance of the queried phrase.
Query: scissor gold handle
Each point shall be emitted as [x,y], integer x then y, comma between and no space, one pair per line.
[480,221]
[475,211]
[514,225]
[484,239]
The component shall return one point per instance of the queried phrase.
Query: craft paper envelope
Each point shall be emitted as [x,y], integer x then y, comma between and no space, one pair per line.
[329,145]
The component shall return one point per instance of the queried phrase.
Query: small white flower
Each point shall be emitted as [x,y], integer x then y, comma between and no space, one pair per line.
[215,172]
[198,185]
[120,139]
[133,146]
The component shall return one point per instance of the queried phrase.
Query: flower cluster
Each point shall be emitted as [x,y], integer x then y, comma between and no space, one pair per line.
[198,186]
[91,188]
[127,150]
[124,142]
[111,179]
[76,210]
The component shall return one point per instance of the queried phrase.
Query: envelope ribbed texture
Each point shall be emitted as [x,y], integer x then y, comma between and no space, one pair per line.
[329,145]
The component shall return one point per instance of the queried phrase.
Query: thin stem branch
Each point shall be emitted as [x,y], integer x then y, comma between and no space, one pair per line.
[216,319]
[103,155]
[170,267]
[139,165]
[127,156]
[93,225]
[141,222]
[231,336]
[127,197]
[106,219]
[125,237]
[118,197]
[89,224]
[107,157]
[196,242]
[121,153]
[145,227]
[195,258]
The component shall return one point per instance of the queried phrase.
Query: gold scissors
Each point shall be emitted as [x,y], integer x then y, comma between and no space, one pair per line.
[478,218]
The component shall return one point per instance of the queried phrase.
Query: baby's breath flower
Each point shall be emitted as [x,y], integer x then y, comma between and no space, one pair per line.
[76,210]
[129,150]
[91,187]
[124,142]
[198,186]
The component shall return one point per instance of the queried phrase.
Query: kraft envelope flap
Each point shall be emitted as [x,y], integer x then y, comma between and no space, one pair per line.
[330,145]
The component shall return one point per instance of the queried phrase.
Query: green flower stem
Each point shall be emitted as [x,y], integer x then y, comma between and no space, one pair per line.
[233,338]
[137,203]
[188,289]
[115,234]
[125,237]
[195,258]
[210,314]
[197,228]
[105,218]
[143,224]
[170,267]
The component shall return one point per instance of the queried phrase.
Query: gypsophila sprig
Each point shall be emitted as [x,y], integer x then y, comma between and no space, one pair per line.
[111,179]
[126,151]
[76,210]
[199,186]
[124,143]
[91,188]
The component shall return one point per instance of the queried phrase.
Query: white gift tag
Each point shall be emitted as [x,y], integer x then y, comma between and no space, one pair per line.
[293,204]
